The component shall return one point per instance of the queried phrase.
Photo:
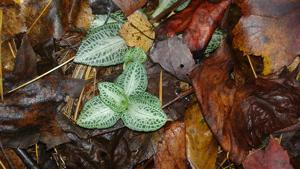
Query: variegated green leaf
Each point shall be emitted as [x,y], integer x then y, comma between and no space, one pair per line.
[113,18]
[102,47]
[113,96]
[214,42]
[147,98]
[134,55]
[141,116]
[96,114]
[133,79]
[165,4]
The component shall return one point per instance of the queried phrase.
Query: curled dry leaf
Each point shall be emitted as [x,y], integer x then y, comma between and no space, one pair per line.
[273,157]
[201,146]
[198,22]
[240,116]
[171,150]
[269,29]
[174,56]
[138,31]
[129,6]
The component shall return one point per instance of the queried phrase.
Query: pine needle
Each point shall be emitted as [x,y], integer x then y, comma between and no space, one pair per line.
[1,75]
[251,65]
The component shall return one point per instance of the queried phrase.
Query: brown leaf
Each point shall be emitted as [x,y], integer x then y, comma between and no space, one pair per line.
[198,22]
[201,146]
[14,22]
[240,116]
[129,6]
[13,158]
[8,62]
[29,114]
[269,29]
[171,151]
[174,56]
[273,157]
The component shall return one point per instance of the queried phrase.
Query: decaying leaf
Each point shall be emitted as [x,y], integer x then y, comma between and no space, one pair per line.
[14,22]
[174,56]
[171,151]
[8,62]
[273,157]
[201,147]
[269,29]
[13,157]
[240,116]
[138,31]
[204,22]
[129,6]
[198,22]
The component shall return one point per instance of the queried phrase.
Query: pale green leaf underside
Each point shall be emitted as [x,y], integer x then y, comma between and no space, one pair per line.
[134,55]
[133,79]
[113,96]
[96,114]
[214,42]
[165,4]
[102,47]
[143,117]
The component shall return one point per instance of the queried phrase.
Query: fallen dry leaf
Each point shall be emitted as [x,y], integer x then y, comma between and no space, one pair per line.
[138,31]
[269,29]
[8,62]
[171,150]
[273,157]
[240,116]
[14,22]
[174,56]
[201,146]
[129,6]
[198,22]
[13,158]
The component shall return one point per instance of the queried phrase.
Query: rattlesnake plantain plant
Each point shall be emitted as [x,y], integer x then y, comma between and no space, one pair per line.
[125,99]
[103,46]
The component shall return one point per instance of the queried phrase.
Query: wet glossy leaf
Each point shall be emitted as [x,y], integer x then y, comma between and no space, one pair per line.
[201,147]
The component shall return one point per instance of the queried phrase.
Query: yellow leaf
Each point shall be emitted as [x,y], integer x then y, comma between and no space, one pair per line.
[138,31]
[200,145]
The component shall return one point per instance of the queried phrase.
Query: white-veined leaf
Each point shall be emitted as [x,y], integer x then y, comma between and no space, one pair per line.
[133,79]
[113,96]
[102,47]
[134,55]
[141,116]
[113,18]
[147,98]
[96,114]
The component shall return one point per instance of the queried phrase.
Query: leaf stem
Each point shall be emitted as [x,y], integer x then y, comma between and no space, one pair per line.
[180,96]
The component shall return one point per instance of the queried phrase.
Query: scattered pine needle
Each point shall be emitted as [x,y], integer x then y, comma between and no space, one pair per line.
[2,165]
[41,76]
[12,50]
[37,153]
[161,86]
[180,96]
[251,65]
[41,14]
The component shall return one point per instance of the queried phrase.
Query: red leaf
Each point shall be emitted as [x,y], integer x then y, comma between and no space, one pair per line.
[273,157]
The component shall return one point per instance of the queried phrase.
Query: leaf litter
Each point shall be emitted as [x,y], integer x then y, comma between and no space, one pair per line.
[238,111]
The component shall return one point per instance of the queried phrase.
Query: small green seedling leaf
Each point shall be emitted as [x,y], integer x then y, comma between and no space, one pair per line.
[102,47]
[133,79]
[141,116]
[134,55]
[113,96]
[96,114]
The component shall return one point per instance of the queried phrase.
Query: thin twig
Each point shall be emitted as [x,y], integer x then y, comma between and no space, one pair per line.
[180,96]
[11,50]
[251,65]
[2,165]
[39,77]
[41,14]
